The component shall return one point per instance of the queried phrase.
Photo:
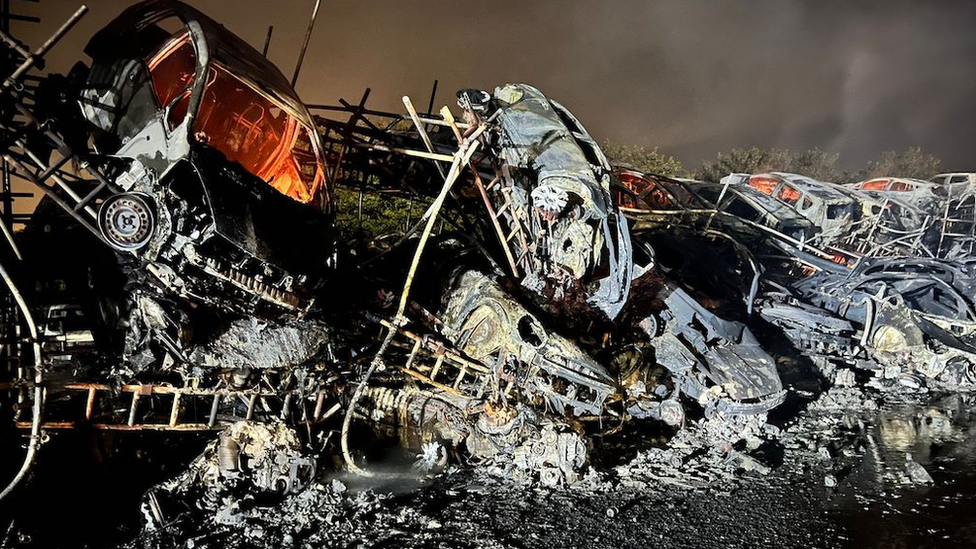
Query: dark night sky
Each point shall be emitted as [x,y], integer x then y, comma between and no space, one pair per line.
[692,78]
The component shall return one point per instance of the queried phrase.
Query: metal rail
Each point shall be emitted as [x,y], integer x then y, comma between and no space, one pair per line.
[132,407]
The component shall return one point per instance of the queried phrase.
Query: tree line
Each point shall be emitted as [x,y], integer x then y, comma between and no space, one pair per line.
[815,163]
[363,218]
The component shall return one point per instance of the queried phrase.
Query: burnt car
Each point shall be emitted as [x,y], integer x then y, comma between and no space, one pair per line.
[752,205]
[826,207]
[923,194]
[957,184]
[915,316]
[553,199]
[221,176]
[655,193]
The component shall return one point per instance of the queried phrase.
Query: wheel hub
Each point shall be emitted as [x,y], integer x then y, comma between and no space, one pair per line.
[126,221]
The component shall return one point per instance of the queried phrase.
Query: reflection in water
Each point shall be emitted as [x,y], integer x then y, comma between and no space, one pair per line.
[916,428]
[879,503]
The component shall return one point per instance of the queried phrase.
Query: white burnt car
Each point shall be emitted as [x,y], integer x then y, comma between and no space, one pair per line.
[922,194]
[957,184]
[220,171]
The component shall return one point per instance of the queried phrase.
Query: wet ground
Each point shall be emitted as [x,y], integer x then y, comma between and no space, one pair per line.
[841,479]
[871,500]
[878,507]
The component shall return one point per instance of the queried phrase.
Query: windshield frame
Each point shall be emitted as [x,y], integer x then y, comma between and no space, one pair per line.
[214,46]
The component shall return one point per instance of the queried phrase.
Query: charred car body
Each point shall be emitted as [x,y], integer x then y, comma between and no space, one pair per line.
[221,172]
[901,317]
[574,320]
[915,315]
[214,193]
[924,194]
[206,176]
[827,208]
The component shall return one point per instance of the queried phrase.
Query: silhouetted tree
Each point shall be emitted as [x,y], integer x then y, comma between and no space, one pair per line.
[751,160]
[641,159]
[817,164]
[914,163]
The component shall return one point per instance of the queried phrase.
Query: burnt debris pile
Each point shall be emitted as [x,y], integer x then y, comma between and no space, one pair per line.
[538,317]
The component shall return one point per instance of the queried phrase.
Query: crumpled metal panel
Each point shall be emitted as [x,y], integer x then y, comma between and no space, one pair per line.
[809,328]
[488,325]
[560,190]
[725,352]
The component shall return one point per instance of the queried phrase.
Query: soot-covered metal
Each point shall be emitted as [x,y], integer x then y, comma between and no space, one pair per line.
[550,320]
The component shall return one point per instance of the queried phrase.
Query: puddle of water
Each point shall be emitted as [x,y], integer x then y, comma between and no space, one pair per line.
[877,503]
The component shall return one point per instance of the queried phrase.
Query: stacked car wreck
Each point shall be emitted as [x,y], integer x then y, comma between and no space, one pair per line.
[562,298]
[202,172]
[869,282]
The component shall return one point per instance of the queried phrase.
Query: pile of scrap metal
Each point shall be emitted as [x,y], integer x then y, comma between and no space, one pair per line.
[915,315]
[207,270]
[812,261]
[560,328]
[197,180]
[568,299]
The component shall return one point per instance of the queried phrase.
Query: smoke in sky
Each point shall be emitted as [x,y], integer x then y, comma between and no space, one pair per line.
[692,78]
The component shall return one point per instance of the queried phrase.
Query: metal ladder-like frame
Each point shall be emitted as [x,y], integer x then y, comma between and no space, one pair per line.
[954,224]
[51,178]
[435,365]
[133,398]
